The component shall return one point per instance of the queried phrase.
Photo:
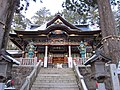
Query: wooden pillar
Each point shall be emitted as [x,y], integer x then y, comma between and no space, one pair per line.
[35,53]
[23,54]
[45,58]
[69,51]
[70,63]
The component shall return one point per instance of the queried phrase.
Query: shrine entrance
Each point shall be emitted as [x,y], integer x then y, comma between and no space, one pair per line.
[58,54]
[59,60]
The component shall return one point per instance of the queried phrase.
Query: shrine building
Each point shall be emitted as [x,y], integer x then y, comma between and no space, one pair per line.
[57,41]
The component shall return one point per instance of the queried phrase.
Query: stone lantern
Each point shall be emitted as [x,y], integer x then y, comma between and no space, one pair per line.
[97,62]
[6,62]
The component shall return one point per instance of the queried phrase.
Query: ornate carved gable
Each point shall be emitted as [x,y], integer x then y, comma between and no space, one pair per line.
[59,20]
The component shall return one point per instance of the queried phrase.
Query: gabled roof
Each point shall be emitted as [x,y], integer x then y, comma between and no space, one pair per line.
[58,22]
[58,16]
[97,56]
[55,27]
[84,27]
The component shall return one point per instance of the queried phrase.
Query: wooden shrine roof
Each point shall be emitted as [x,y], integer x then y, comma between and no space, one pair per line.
[57,27]
[57,23]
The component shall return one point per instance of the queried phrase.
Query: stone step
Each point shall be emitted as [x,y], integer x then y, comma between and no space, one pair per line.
[55,85]
[54,70]
[55,81]
[62,69]
[54,75]
[55,78]
[61,88]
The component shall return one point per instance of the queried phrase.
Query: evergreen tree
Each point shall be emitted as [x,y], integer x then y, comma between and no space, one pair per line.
[87,9]
[42,16]
[71,16]
[20,22]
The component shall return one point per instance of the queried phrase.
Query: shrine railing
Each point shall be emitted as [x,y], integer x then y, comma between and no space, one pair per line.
[80,61]
[27,61]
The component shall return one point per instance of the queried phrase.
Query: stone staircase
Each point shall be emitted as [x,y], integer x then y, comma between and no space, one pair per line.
[55,79]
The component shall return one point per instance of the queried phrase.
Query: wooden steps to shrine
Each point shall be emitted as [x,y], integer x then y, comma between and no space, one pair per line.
[55,79]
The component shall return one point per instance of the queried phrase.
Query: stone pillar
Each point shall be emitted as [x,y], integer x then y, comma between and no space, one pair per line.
[2,86]
[101,86]
[45,58]
[114,77]
[70,63]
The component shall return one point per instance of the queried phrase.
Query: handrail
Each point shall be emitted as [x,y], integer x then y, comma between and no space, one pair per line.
[80,77]
[30,79]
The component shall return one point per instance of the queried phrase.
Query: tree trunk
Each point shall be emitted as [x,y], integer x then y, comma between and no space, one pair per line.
[111,42]
[9,17]
[3,12]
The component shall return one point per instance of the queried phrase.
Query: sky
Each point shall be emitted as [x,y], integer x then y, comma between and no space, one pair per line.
[54,6]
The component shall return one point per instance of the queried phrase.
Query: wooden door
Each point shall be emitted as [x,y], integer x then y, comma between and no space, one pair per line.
[58,60]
